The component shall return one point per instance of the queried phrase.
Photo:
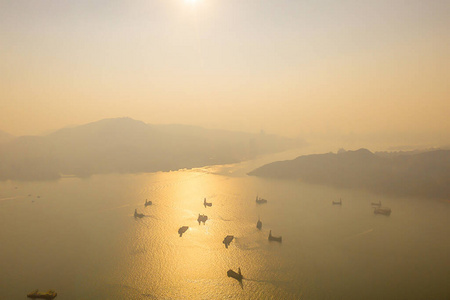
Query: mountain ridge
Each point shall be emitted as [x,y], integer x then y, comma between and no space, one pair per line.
[126,145]
[5,137]
[425,174]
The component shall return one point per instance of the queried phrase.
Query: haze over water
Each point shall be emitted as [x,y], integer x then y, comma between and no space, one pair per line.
[126,88]
[81,239]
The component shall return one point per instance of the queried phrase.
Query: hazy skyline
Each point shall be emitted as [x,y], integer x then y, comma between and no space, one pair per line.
[294,68]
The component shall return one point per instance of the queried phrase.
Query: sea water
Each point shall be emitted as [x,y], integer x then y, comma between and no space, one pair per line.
[79,237]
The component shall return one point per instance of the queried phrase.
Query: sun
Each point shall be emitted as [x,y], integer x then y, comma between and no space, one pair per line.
[192,2]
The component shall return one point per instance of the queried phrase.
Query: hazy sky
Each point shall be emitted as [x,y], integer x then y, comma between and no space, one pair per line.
[288,66]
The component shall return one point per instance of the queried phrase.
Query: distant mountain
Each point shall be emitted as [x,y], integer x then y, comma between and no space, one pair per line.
[125,145]
[425,174]
[5,137]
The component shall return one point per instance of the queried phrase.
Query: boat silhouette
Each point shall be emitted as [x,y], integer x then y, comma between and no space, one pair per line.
[337,202]
[182,230]
[382,211]
[274,238]
[259,224]
[38,295]
[205,204]
[138,215]
[202,218]
[260,200]
[147,203]
[376,204]
[227,240]
[238,276]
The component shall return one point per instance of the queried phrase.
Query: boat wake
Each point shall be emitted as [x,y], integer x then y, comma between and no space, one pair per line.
[10,198]
[358,235]
[146,216]
[116,207]
[131,291]
[224,219]
[265,281]
[248,243]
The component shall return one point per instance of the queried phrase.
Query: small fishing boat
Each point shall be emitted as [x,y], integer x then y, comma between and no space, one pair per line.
[337,202]
[260,200]
[138,215]
[39,295]
[376,204]
[205,204]
[227,240]
[238,276]
[382,211]
[259,224]
[182,230]
[202,218]
[147,203]
[274,238]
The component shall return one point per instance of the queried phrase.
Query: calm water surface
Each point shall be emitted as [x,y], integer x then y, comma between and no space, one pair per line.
[81,239]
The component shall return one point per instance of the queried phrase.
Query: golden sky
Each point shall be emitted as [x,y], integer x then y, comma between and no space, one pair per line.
[295,68]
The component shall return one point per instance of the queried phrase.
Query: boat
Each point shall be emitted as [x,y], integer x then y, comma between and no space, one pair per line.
[182,230]
[259,224]
[39,295]
[260,200]
[337,202]
[376,204]
[274,238]
[202,218]
[382,211]
[238,276]
[147,203]
[138,215]
[227,240]
[205,204]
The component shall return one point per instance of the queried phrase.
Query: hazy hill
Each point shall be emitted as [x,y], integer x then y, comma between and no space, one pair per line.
[424,174]
[127,145]
[5,137]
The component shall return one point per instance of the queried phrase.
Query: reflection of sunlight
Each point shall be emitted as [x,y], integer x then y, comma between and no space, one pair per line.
[156,252]
[158,262]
